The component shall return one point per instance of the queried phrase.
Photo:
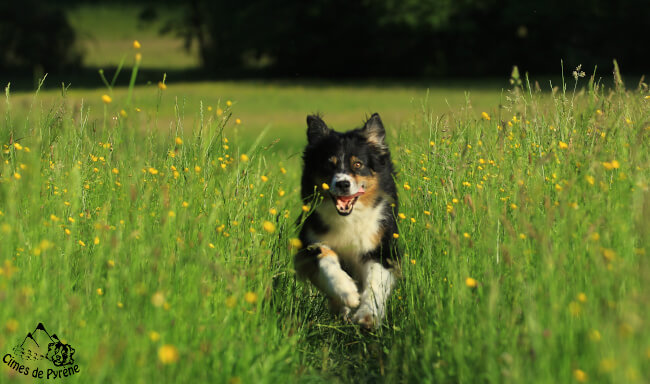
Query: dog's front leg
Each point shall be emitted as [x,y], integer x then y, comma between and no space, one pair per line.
[320,264]
[335,282]
[377,286]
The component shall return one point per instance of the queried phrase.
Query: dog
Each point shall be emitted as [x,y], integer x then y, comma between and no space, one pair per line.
[349,240]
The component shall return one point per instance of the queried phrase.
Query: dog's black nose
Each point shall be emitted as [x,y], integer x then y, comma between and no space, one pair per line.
[343,185]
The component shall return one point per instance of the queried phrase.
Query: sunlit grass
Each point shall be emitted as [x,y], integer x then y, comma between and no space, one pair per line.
[161,250]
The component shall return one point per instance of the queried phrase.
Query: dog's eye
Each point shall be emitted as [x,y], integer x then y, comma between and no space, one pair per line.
[357,165]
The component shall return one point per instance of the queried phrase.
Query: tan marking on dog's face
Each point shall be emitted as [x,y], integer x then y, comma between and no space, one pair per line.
[334,160]
[371,186]
[356,164]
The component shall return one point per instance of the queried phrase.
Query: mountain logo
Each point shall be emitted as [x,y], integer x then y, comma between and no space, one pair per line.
[39,345]
[43,355]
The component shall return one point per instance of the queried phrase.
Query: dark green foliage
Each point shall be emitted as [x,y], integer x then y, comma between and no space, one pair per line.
[35,35]
[431,37]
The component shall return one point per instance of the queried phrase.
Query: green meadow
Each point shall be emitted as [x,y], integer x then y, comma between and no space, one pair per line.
[152,227]
[156,238]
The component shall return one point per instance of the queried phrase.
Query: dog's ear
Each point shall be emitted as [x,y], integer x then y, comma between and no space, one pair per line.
[374,132]
[316,129]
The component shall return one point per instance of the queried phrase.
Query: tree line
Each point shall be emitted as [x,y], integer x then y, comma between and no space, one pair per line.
[368,38]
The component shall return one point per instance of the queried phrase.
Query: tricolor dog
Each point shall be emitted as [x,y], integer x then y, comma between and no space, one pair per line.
[349,239]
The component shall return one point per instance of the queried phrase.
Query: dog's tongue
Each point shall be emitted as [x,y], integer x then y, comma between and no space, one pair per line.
[342,202]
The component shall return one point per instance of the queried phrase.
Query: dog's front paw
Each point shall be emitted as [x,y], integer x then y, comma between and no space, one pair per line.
[366,316]
[347,292]
[340,309]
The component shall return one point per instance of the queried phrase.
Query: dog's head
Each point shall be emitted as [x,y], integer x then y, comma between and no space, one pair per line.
[349,163]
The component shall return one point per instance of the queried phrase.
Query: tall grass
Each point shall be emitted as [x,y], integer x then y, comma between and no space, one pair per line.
[163,253]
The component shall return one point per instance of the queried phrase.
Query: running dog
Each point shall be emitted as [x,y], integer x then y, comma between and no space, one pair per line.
[349,239]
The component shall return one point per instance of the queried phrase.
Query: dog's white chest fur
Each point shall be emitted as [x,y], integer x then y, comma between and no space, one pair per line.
[354,235]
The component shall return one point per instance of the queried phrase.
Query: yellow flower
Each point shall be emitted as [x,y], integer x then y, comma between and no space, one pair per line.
[401,216]
[153,171]
[485,116]
[407,187]
[563,145]
[608,254]
[81,243]
[229,103]
[295,243]
[123,113]
[158,299]
[599,112]
[197,169]
[250,297]
[237,121]
[106,99]
[590,179]
[136,44]
[582,297]
[185,204]
[268,226]
[325,186]
[17,176]
[471,282]
[466,235]
[100,291]
[115,171]
[179,141]
[96,240]
[579,375]
[138,59]
[18,147]
[162,86]
[305,208]
[11,326]
[243,158]
[594,335]
[395,235]
[615,164]
[168,354]
[231,301]
[264,178]
[154,336]
[219,111]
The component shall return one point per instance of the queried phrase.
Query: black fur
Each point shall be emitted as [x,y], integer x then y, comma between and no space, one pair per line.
[368,144]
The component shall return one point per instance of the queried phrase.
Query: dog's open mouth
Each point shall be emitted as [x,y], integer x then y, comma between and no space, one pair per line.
[344,204]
